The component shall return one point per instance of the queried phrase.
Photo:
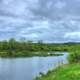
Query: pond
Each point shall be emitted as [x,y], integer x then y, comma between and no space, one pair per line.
[28,68]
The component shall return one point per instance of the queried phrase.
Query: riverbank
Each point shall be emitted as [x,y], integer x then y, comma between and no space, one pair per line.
[65,72]
[27,54]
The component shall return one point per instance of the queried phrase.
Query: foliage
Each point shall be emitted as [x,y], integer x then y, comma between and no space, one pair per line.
[24,48]
[74,56]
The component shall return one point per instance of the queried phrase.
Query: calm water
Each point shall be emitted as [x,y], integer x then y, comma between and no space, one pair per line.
[28,68]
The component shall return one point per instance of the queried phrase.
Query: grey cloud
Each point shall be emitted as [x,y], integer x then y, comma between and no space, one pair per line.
[53,13]
[48,20]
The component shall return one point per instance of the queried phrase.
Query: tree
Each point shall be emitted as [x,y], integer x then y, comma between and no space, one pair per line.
[12,43]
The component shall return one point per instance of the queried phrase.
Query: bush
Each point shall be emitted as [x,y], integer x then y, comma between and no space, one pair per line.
[74,57]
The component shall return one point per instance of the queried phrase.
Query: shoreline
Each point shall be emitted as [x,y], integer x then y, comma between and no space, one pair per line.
[13,54]
[64,72]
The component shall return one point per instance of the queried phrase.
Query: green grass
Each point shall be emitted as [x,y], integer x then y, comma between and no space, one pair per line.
[66,72]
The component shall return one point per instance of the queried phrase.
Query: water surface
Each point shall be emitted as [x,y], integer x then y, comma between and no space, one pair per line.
[28,68]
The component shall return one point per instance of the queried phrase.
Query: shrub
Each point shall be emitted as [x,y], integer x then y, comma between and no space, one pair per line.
[74,57]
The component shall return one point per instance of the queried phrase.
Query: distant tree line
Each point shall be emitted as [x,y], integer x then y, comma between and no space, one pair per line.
[14,45]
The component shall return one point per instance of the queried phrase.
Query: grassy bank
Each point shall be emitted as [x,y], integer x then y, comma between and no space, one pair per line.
[26,54]
[65,72]
[69,71]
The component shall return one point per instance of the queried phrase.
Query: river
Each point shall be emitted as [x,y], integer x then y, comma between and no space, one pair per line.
[28,68]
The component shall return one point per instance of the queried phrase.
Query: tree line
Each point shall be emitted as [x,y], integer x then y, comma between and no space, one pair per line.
[13,47]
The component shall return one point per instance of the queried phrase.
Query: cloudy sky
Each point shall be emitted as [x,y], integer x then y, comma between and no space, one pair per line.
[47,20]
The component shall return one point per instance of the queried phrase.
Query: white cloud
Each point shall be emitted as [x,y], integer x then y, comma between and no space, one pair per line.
[72,35]
[30,36]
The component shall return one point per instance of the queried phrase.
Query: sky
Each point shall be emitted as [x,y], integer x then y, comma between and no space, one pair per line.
[47,20]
